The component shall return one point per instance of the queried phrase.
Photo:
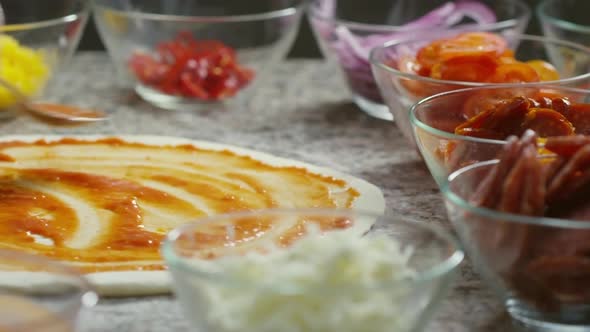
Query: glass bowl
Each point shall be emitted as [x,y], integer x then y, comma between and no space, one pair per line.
[565,20]
[183,54]
[39,295]
[338,23]
[393,302]
[536,265]
[401,90]
[37,41]
[434,120]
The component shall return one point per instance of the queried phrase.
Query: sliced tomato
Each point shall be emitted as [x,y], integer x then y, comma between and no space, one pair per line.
[517,72]
[429,55]
[545,70]
[468,68]
[473,43]
[409,65]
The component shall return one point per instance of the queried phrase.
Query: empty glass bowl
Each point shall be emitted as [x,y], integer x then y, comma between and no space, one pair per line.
[184,54]
[37,41]
[565,20]
[216,300]
[401,89]
[536,265]
[434,120]
[38,295]
[347,30]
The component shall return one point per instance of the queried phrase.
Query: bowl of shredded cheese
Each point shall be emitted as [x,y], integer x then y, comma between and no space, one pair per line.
[389,279]
[38,39]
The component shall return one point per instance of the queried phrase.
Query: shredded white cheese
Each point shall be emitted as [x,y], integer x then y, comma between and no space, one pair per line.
[324,283]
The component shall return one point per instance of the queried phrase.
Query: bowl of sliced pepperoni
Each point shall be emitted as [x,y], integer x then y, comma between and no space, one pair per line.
[458,128]
[524,220]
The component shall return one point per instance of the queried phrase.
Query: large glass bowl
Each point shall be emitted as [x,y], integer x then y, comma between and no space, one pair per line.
[434,120]
[39,295]
[36,43]
[259,34]
[407,302]
[536,265]
[337,22]
[565,20]
[401,89]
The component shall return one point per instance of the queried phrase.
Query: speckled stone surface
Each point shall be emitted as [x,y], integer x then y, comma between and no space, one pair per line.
[301,112]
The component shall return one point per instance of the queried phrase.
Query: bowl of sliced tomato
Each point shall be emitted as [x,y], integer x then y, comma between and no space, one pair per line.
[412,70]
[458,128]
[180,54]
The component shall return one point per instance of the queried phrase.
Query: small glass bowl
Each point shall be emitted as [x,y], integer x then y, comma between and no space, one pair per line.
[384,21]
[434,120]
[536,265]
[402,90]
[565,20]
[256,35]
[39,295]
[435,257]
[37,41]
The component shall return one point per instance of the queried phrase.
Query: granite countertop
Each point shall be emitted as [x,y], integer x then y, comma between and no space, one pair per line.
[301,112]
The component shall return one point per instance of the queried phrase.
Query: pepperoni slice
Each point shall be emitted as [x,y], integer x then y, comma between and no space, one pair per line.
[579,116]
[547,123]
[497,123]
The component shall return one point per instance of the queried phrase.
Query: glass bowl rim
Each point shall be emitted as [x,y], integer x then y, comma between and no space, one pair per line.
[491,214]
[291,10]
[86,296]
[76,15]
[567,25]
[522,37]
[452,136]
[441,269]
[368,27]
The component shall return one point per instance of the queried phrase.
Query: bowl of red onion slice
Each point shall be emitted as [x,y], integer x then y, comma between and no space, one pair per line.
[347,31]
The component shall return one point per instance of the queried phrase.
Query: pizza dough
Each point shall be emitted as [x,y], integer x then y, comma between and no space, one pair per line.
[103,204]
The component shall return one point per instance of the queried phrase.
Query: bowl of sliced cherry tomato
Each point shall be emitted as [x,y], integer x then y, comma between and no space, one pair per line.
[409,71]
[458,128]
[180,54]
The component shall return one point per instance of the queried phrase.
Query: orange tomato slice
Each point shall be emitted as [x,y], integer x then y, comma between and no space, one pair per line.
[517,72]
[545,70]
[465,44]
[473,68]
[473,43]
[429,55]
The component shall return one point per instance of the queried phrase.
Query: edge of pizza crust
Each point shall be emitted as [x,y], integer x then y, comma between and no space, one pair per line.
[141,283]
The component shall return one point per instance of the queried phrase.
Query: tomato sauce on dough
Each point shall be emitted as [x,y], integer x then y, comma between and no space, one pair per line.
[106,205]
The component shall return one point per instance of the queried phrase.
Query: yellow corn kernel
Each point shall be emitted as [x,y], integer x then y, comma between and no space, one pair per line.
[24,67]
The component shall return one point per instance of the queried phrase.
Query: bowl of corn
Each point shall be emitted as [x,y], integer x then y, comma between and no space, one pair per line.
[37,40]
